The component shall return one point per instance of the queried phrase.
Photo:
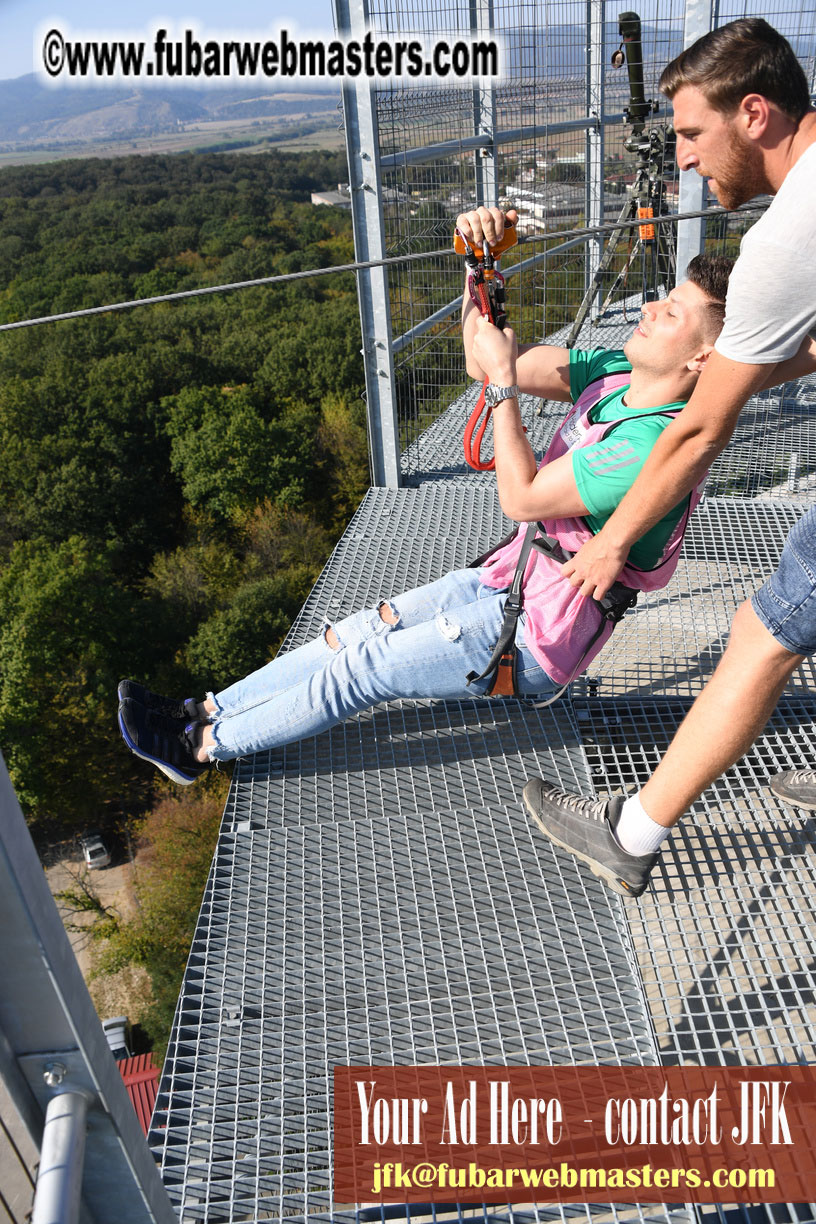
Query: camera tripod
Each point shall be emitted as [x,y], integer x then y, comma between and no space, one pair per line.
[653,243]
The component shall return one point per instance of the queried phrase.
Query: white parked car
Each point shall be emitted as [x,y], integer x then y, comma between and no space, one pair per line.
[94,850]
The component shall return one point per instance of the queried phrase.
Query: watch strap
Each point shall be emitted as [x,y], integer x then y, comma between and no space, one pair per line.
[494,394]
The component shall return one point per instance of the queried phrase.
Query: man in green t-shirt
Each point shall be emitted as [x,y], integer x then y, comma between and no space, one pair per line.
[605,471]
[436,640]
[601,477]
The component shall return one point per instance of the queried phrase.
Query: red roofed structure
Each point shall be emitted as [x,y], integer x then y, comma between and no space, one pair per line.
[141,1076]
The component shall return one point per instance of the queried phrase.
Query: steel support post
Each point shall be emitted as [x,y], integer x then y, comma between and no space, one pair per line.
[701,16]
[484,111]
[363,149]
[594,206]
[52,1047]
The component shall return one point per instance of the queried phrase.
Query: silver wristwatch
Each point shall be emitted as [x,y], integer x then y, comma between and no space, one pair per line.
[494,394]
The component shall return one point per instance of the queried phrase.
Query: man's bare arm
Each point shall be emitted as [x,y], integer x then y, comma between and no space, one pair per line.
[541,369]
[795,367]
[678,461]
[525,493]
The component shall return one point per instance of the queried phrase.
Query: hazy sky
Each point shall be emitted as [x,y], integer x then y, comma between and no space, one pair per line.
[19,19]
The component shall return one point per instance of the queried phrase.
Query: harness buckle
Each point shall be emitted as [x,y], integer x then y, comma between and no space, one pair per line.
[617,601]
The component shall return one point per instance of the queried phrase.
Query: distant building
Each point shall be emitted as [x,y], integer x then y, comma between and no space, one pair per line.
[551,200]
[341,198]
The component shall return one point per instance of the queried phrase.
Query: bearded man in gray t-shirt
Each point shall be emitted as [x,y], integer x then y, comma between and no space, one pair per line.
[743,119]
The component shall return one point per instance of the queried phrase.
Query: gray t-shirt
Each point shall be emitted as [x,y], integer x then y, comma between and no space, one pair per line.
[771,303]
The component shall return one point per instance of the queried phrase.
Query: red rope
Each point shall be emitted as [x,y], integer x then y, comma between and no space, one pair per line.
[474,435]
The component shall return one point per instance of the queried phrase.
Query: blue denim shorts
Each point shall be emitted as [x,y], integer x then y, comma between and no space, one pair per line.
[786,604]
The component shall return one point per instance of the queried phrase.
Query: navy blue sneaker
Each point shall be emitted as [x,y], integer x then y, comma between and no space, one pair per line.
[168,743]
[168,707]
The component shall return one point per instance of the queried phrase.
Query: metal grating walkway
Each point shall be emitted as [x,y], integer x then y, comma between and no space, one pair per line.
[673,639]
[436,937]
[725,938]
[378,895]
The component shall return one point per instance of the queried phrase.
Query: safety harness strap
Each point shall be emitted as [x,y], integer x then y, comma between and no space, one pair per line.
[503,662]
[488,297]
[475,432]
[617,600]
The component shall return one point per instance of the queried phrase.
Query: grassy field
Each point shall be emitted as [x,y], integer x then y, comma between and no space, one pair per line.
[294,133]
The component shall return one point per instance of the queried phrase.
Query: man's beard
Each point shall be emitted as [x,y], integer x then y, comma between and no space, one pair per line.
[740,176]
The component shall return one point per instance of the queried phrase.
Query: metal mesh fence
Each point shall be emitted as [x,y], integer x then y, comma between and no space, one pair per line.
[558,144]
[539,115]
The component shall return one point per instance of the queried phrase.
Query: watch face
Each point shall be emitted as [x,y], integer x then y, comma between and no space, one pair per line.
[494,394]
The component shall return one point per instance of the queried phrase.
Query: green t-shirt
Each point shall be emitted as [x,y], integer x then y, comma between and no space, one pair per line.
[605,471]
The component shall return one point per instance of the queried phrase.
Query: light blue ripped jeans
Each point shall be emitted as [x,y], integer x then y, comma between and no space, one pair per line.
[442,632]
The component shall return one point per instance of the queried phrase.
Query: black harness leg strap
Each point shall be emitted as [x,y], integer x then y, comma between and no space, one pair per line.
[502,663]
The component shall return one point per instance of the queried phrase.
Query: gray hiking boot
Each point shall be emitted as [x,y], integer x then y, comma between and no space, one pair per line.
[585,828]
[796,786]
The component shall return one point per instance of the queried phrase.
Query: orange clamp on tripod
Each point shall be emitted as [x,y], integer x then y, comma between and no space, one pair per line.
[486,286]
[647,231]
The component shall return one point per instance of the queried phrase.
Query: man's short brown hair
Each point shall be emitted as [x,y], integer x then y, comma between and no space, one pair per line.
[710,273]
[743,57]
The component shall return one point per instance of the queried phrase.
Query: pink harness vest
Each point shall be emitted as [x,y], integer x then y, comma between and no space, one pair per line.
[558,621]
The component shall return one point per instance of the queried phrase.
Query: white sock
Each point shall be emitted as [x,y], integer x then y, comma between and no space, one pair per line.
[636,832]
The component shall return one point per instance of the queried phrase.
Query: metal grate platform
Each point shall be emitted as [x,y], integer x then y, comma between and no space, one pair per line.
[673,639]
[773,450]
[408,757]
[725,938]
[443,937]
[378,894]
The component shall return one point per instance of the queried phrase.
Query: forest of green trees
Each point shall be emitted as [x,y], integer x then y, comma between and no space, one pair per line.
[172,477]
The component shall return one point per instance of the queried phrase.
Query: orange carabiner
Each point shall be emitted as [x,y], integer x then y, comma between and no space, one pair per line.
[479,417]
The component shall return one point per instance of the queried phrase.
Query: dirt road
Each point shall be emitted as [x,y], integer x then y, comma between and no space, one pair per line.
[120,994]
